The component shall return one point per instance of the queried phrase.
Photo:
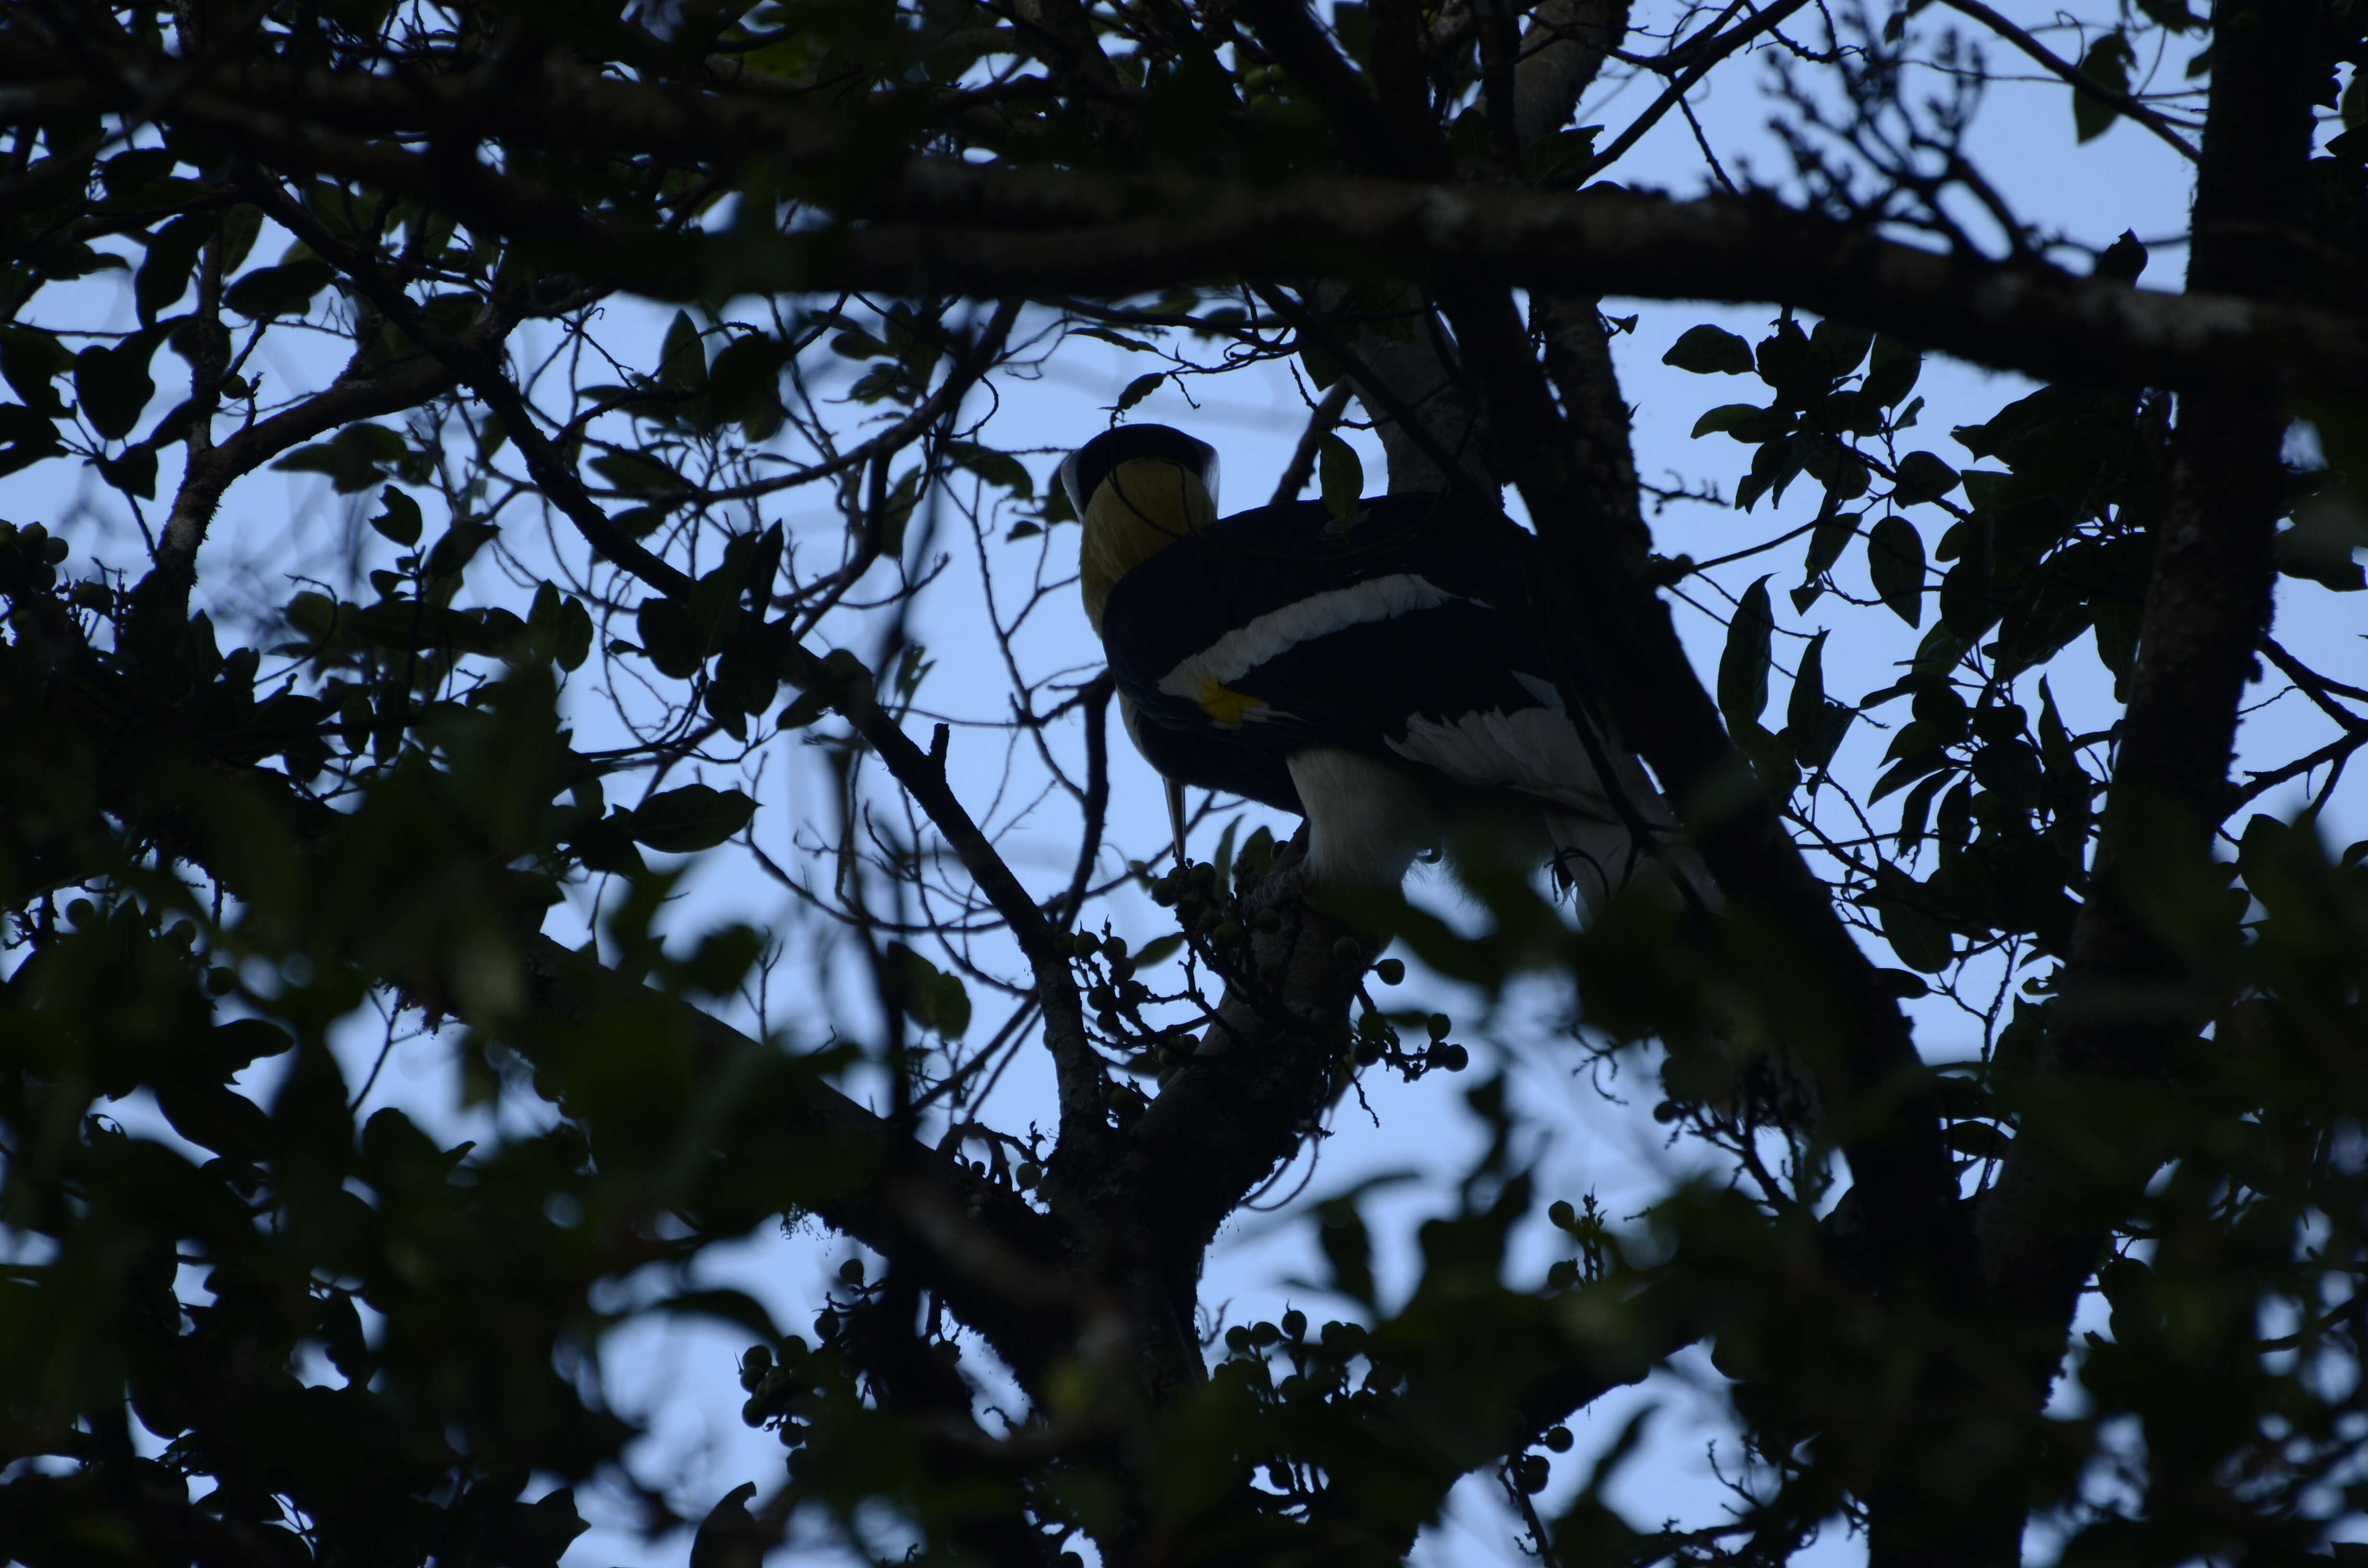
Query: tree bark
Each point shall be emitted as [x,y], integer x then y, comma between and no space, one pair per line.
[2122,1006]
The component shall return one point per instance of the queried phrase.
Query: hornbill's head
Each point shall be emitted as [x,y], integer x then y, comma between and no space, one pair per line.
[1137,489]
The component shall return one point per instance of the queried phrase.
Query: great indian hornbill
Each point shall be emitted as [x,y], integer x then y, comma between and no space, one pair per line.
[1381,674]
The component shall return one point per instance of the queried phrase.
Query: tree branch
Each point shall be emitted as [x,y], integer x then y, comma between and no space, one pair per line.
[2080,80]
[2260,784]
[1001,1266]
[1320,421]
[987,232]
[2062,1188]
[939,226]
[1703,53]
[1079,1070]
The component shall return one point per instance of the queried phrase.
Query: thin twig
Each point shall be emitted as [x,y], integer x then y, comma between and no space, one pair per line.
[1320,421]
[2080,80]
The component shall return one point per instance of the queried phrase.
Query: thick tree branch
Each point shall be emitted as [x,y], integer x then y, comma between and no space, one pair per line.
[1562,49]
[937,226]
[2207,608]
[1625,644]
[1000,1266]
[1064,235]
[1238,1108]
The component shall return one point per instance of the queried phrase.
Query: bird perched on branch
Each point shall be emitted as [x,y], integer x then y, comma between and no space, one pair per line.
[1381,674]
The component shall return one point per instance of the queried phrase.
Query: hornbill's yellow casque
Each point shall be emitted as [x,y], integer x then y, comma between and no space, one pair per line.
[1380,676]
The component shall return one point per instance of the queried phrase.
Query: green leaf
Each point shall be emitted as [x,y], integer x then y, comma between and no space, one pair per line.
[743,384]
[1322,370]
[1894,558]
[1839,347]
[2123,260]
[896,516]
[682,359]
[2328,527]
[1710,350]
[1922,477]
[1551,159]
[2342,430]
[1891,371]
[1742,667]
[857,343]
[573,642]
[1827,542]
[30,362]
[26,437]
[996,467]
[134,175]
[133,470]
[1814,724]
[1115,339]
[1784,362]
[1341,474]
[1348,1248]
[1909,922]
[283,290]
[2107,63]
[932,998]
[1773,467]
[1137,390]
[638,473]
[1746,421]
[355,459]
[241,225]
[163,276]
[1844,476]
[671,637]
[399,519]
[695,817]
[452,552]
[1157,950]
[113,385]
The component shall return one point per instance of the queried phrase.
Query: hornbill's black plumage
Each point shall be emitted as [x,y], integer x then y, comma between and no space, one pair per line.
[1380,674]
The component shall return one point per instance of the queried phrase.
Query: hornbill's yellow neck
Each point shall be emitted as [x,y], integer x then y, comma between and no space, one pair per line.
[1140,508]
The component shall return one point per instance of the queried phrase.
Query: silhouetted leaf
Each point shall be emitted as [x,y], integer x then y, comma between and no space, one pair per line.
[694,817]
[2107,63]
[284,290]
[113,385]
[1710,350]
[1922,477]
[1895,558]
[398,518]
[1743,667]
[1341,474]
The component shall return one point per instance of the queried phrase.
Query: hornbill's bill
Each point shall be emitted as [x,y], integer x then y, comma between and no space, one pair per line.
[1381,674]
